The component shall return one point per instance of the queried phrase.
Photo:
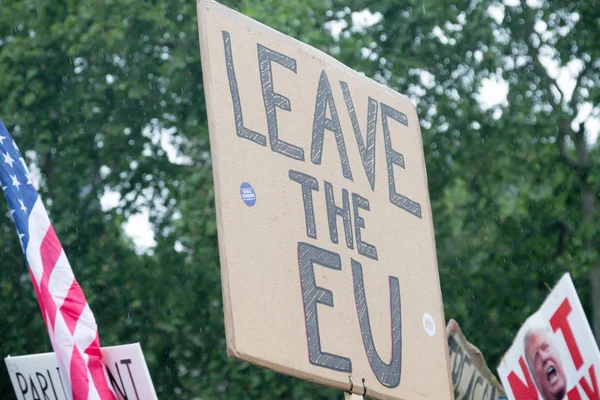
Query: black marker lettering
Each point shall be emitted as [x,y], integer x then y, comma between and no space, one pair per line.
[312,295]
[241,130]
[61,382]
[387,374]
[470,389]
[395,158]
[493,395]
[478,382]
[464,360]
[21,378]
[457,365]
[364,248]
[43,386]
[308,185]
[367,153]
[113,381]
[126,362]
[334,211]
[321,122]
[51,384]
[275,100]
[34,393]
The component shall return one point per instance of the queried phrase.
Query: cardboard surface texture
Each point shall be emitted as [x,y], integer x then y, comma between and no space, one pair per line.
[554,355]
[471,377]
[326,239]
[37,376]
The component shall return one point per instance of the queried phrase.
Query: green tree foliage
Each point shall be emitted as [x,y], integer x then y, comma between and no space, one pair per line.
[93,90]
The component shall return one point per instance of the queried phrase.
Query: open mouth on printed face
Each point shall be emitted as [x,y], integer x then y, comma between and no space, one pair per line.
[551,374]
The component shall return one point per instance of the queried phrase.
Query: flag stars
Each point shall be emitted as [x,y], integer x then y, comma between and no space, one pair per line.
[23,208]
[15,145]
[21,235]
[27,174]
[15,181]
[8,160]
[2,138]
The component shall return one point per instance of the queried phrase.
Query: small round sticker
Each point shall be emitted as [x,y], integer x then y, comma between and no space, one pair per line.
[428,324]
[248,194]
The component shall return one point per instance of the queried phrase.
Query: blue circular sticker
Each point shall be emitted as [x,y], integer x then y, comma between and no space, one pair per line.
[248,194]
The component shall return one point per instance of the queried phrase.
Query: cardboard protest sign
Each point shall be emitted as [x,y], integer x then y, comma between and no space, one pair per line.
[471,377]
[326,239]
[554,355]
[38,376]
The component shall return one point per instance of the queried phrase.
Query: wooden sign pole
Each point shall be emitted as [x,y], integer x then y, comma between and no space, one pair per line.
[353,396]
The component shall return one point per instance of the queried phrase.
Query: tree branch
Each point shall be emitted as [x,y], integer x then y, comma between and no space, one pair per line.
[564,130]
[564,229]
[575,96]
[539,68]
[581,164]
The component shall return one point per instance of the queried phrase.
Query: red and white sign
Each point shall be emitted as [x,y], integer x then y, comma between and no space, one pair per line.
[554,355]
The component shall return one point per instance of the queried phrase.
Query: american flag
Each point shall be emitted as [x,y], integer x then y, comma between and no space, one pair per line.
[67,315]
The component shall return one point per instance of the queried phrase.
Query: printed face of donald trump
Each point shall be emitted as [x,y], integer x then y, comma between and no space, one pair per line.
[545,364]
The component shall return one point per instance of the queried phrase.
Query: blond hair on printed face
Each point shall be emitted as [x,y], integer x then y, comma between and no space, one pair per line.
[535,324]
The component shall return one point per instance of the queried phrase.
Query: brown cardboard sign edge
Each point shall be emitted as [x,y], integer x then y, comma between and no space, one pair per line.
[205,55]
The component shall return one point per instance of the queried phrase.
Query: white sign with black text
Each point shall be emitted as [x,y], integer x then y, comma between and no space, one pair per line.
[37,376]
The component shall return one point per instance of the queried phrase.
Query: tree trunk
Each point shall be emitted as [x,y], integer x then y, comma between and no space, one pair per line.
[589,203]
[595,298]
